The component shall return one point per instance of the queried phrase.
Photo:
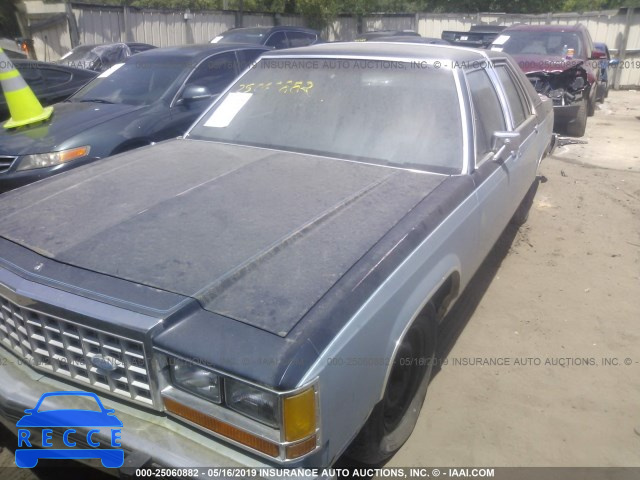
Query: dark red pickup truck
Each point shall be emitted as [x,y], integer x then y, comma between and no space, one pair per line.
[561,63]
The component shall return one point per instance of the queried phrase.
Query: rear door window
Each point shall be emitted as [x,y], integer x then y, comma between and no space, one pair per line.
[54,77]
[32,75]
[247,57]
[487,111]
[515,96]
[215,73]
[277,40]
[300,39]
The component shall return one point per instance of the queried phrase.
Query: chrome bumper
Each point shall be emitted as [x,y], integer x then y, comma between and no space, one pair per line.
[148,438]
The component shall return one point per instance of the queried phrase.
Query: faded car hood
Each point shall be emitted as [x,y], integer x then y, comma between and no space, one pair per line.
[254,234]
[68,119]
[545,63]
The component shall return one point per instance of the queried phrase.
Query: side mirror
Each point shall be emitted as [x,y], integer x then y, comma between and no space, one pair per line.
[598,55]
[503,144]
[194,93]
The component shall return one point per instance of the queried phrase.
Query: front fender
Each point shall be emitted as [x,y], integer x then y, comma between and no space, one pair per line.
[353,369]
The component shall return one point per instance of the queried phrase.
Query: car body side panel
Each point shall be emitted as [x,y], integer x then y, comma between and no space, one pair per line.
[353,367]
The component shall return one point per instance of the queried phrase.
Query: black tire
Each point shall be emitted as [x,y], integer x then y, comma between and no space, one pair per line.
[579,125]
[600,93]
[394,417]
[522,213]
[591,107]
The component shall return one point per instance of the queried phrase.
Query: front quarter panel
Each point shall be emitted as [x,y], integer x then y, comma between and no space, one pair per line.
[353,368]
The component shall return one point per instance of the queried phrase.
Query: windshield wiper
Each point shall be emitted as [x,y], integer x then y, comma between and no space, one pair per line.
[96,100]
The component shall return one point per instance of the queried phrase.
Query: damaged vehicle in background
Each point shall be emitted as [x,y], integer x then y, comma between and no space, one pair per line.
[271,284]
[478,36]
[561,63]
[101,57]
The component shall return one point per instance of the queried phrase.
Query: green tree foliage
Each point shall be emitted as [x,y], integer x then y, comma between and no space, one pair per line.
[318,13]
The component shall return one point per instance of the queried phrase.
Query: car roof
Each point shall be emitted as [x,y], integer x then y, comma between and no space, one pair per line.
[392,32]
[293,28]
[412,39]
[391,50]
[196,51]
[24,62]
[284,28]
[545,28]
[94,45]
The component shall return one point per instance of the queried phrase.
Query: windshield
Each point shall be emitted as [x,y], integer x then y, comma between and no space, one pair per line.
[246,35]
[137,82]
[539,43]
[376,111]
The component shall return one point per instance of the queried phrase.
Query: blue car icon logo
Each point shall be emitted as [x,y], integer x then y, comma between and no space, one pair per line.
[40,422]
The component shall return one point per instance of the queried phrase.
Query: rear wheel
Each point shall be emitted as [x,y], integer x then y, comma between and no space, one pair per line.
[579,125]
[394,417]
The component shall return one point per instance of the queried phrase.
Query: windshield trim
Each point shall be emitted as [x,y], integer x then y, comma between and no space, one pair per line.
[327,157]
[384,58]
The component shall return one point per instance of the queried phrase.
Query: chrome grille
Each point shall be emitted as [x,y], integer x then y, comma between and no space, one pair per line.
[5,162]
[67,349]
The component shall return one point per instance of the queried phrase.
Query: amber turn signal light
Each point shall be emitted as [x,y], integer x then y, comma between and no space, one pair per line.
[222,428]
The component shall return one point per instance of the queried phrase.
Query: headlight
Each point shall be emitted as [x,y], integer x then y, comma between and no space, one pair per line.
[254,403]
[279,425]
[41,160]
[194,379]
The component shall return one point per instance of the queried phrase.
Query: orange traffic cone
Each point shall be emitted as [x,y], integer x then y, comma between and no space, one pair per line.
[23,105]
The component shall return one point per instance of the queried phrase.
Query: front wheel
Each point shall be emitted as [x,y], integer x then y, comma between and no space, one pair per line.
[591,107]
[579,125]
[392,420]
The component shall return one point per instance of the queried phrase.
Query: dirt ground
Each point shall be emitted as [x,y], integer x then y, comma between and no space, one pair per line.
[564,292]
[556,300]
